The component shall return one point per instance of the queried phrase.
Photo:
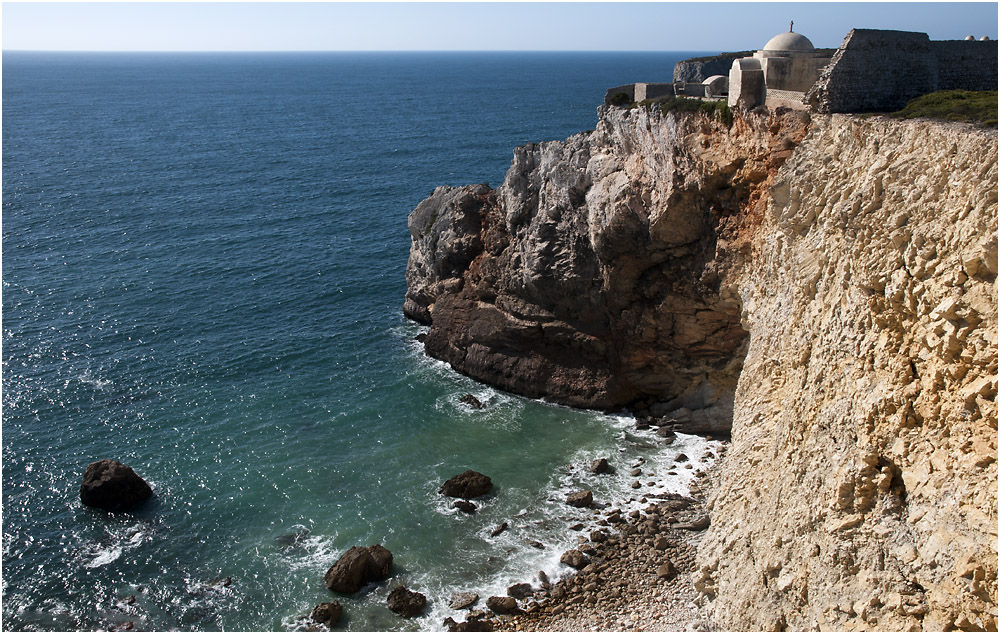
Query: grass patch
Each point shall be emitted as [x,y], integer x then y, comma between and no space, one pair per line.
[715,109]
[954,105]
[620,99]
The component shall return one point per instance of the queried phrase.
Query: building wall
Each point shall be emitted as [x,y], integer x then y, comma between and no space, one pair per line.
[966,65]
[876,70]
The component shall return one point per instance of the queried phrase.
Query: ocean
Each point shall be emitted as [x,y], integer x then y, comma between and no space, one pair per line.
[203,259]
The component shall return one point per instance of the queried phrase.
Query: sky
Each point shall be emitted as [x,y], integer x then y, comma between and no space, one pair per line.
[535,26]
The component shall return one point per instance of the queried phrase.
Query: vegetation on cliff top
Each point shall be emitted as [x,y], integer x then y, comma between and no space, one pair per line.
[954,105]
[717,109]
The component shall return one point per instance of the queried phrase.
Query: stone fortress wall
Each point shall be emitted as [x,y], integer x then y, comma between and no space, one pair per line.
[879,70]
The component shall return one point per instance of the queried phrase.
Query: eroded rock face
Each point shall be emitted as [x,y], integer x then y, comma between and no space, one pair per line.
[860,490]
[591,277]
[111,485]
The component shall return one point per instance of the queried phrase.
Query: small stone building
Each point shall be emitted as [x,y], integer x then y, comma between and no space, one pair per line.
[781,72]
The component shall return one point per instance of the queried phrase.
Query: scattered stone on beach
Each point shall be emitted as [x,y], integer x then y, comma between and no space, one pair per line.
[542,577]
[699,523]
[519,590]
[661,543]
[110,485]
[576,527]
[357,567]
[598,536]
[499,529]
[574,559]
[601,466]
[469,484]
[406,602]
[636,472]
[472,625]
[329,614]
[666,571]
[581,499]
[636,485]
[681,458]
[463,600]
[465,506]
[502,605]
[472,401]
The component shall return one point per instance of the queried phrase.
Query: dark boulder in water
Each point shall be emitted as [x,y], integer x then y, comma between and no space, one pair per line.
[581,499]
[329,614]
[499,529]
[519,590]
[465,506]
[601,465]
[111,485]
[472,401]
[406,602]
[470,484]
[357,567]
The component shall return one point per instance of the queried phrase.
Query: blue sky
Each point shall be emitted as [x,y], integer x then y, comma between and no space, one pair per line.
[705,26]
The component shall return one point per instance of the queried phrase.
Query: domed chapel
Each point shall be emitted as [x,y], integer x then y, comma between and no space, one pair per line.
[788,62]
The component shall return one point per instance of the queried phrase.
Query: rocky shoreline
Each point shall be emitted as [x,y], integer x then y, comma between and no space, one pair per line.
[635,574]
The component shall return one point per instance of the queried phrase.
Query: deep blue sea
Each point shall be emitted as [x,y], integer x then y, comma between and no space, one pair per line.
[203,260]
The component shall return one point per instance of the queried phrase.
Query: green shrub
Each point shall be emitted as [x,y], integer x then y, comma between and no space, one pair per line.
[620,99]
[954,105]
[716,109]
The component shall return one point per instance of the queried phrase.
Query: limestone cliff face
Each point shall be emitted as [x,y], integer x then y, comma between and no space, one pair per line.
[860,491]
[593,275]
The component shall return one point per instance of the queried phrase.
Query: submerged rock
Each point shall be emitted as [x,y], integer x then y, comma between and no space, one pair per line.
[462,600]
[470,484]
[357,567]
[499,529]
[472,401]
[465,506]
[329,614]
[111,485]
[406,602]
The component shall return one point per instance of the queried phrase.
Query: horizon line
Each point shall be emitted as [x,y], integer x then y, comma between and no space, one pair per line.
[419,50]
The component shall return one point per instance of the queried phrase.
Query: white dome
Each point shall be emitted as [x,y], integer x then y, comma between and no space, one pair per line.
[789,41]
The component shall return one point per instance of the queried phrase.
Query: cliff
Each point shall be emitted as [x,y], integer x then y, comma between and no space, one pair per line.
[593,276]
[860,491]
[824,286]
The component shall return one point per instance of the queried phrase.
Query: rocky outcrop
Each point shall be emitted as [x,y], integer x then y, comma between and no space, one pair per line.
[406,602]
[328,614]
[860,491]
[110,485]
[468,484]
[698,69]
[357,567]
[592,276]
[830,295]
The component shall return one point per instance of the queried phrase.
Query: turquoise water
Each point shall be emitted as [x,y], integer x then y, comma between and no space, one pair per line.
[203,262]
